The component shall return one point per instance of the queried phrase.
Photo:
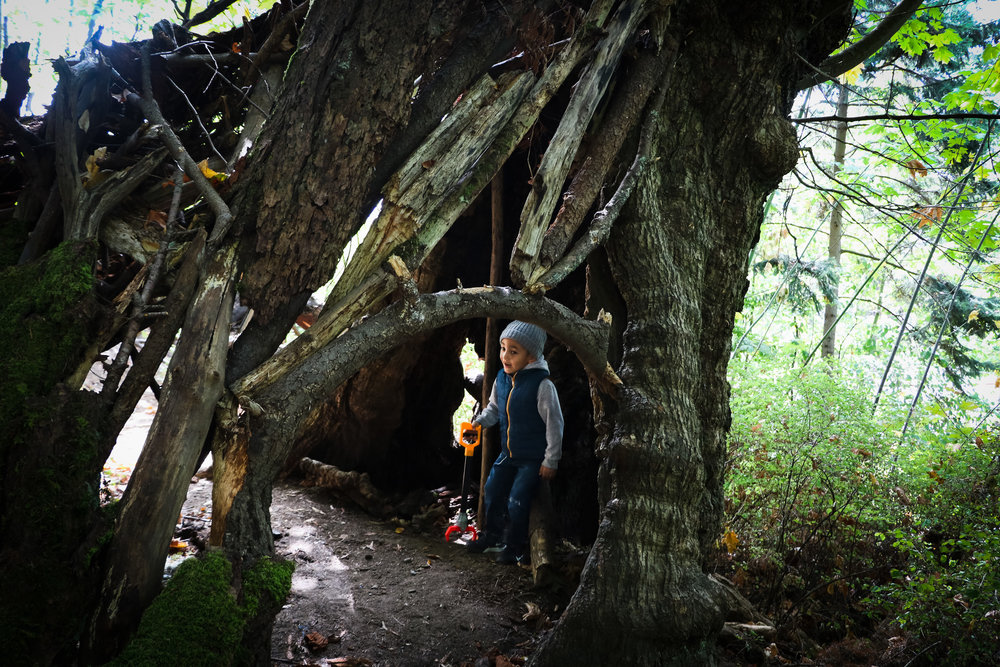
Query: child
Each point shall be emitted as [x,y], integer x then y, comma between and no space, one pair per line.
[525,403]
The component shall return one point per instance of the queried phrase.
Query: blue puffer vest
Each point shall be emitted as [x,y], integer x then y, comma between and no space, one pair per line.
[522,430]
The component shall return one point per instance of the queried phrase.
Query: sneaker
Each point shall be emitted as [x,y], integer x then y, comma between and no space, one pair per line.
[511,556]
[480,544]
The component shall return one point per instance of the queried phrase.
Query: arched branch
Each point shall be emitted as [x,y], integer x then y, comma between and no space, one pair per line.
[298,391]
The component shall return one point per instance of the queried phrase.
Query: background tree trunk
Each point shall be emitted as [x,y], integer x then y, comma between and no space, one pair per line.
[831,310]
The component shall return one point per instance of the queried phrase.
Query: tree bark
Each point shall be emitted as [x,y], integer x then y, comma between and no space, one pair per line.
[679,257]
[163,472]
[830,312]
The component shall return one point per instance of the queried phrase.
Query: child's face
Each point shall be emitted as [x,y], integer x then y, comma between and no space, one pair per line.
[513,356]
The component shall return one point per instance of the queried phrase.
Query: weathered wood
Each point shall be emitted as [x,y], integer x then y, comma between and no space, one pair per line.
[491,365]
[285,404]
[600,226]
[547,182]
[439,167]
[379,284]
[160,338]
[621,117]
[541,536]
[15,70]
[355,486]
[163,472]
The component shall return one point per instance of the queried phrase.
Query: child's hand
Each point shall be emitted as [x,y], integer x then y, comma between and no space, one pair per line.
[546,473]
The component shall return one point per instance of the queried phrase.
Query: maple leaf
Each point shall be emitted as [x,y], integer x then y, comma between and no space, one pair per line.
[928,215]
[731,541]
[916,168]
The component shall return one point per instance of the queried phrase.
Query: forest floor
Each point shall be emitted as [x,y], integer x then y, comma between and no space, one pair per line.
[369,592]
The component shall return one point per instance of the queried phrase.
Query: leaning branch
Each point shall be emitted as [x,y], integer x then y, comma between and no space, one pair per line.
[547,182]
[863,49]
[148,105]
[600,226]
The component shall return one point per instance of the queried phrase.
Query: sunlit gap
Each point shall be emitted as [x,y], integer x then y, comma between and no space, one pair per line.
[318,299]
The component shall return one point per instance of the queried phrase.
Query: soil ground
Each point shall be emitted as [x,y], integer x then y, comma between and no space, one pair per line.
[370,592]
[363,593]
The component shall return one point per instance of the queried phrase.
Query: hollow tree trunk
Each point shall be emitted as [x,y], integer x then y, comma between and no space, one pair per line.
[679,258]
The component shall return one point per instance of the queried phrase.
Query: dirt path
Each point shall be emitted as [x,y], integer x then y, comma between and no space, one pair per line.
[381,597]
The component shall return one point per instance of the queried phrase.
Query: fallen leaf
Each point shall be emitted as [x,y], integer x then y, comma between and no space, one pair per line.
[209,173]
[178,545]
[158,218]
[731,541]
[973,316]
[316,641]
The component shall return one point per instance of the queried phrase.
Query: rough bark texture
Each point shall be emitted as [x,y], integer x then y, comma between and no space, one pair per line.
[678,255]
[163,472]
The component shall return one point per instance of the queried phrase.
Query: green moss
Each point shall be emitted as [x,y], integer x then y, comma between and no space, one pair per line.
[267,584]
[47,315]
[196,620]
[13,236]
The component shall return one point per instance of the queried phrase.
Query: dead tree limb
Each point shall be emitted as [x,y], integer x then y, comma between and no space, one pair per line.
[624,112]
[355,486]
[429,232]
[541,535]
[148,105]
[547,182]
[285,404]
[600,226]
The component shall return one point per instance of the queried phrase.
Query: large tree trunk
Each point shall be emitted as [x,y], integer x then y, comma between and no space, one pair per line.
[679,258]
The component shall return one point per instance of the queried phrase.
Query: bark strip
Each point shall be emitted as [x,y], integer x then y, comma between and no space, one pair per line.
[548,181]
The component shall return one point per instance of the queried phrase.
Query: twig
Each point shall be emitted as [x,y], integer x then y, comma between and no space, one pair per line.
[891,116]
[197,117]
[223,216]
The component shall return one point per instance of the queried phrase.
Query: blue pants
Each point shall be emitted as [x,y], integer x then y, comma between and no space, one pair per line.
[509,491]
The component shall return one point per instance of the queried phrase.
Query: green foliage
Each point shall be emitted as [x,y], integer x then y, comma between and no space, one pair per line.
[196,620]
[947,589]
[805,484]
[796,290]
[835,524]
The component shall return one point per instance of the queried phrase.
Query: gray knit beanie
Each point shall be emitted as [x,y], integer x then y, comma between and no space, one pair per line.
[530,337]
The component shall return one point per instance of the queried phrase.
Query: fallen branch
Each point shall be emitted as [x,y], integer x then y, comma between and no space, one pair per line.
[600,226]
[622,115]
[355,486]
[540,535]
